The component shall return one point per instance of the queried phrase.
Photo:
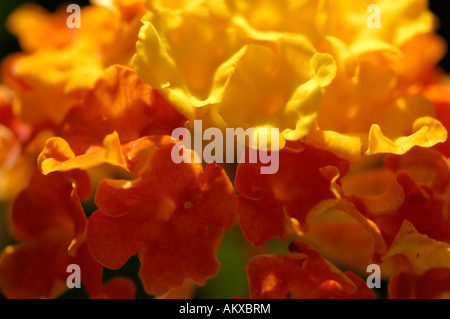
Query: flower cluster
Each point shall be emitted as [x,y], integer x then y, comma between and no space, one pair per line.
[87,177]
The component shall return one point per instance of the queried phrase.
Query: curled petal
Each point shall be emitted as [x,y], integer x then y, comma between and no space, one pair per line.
[428,132]
[175,46]
[346,146]
[58,156]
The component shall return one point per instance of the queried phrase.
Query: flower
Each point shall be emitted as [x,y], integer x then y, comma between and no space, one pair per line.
[363,171]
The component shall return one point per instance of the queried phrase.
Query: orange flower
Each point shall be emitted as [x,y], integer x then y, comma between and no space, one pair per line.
[173,216]
[119,102]
[302,274]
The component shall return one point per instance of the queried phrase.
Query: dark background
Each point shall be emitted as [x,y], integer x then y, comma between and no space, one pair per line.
[9,44]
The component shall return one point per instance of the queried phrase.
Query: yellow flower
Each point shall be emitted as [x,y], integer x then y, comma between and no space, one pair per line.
[375,104]
[213,65]
[55,80]
[351,22]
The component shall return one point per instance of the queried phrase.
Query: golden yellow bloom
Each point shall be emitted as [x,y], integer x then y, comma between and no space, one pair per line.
[215,66]
[400,21]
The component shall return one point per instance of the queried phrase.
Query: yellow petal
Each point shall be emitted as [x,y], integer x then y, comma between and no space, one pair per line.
[346,146]
[428,132]
[58,156]
[179,52]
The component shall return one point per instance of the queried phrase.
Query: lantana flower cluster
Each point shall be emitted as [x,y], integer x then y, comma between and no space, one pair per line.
[86,117]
